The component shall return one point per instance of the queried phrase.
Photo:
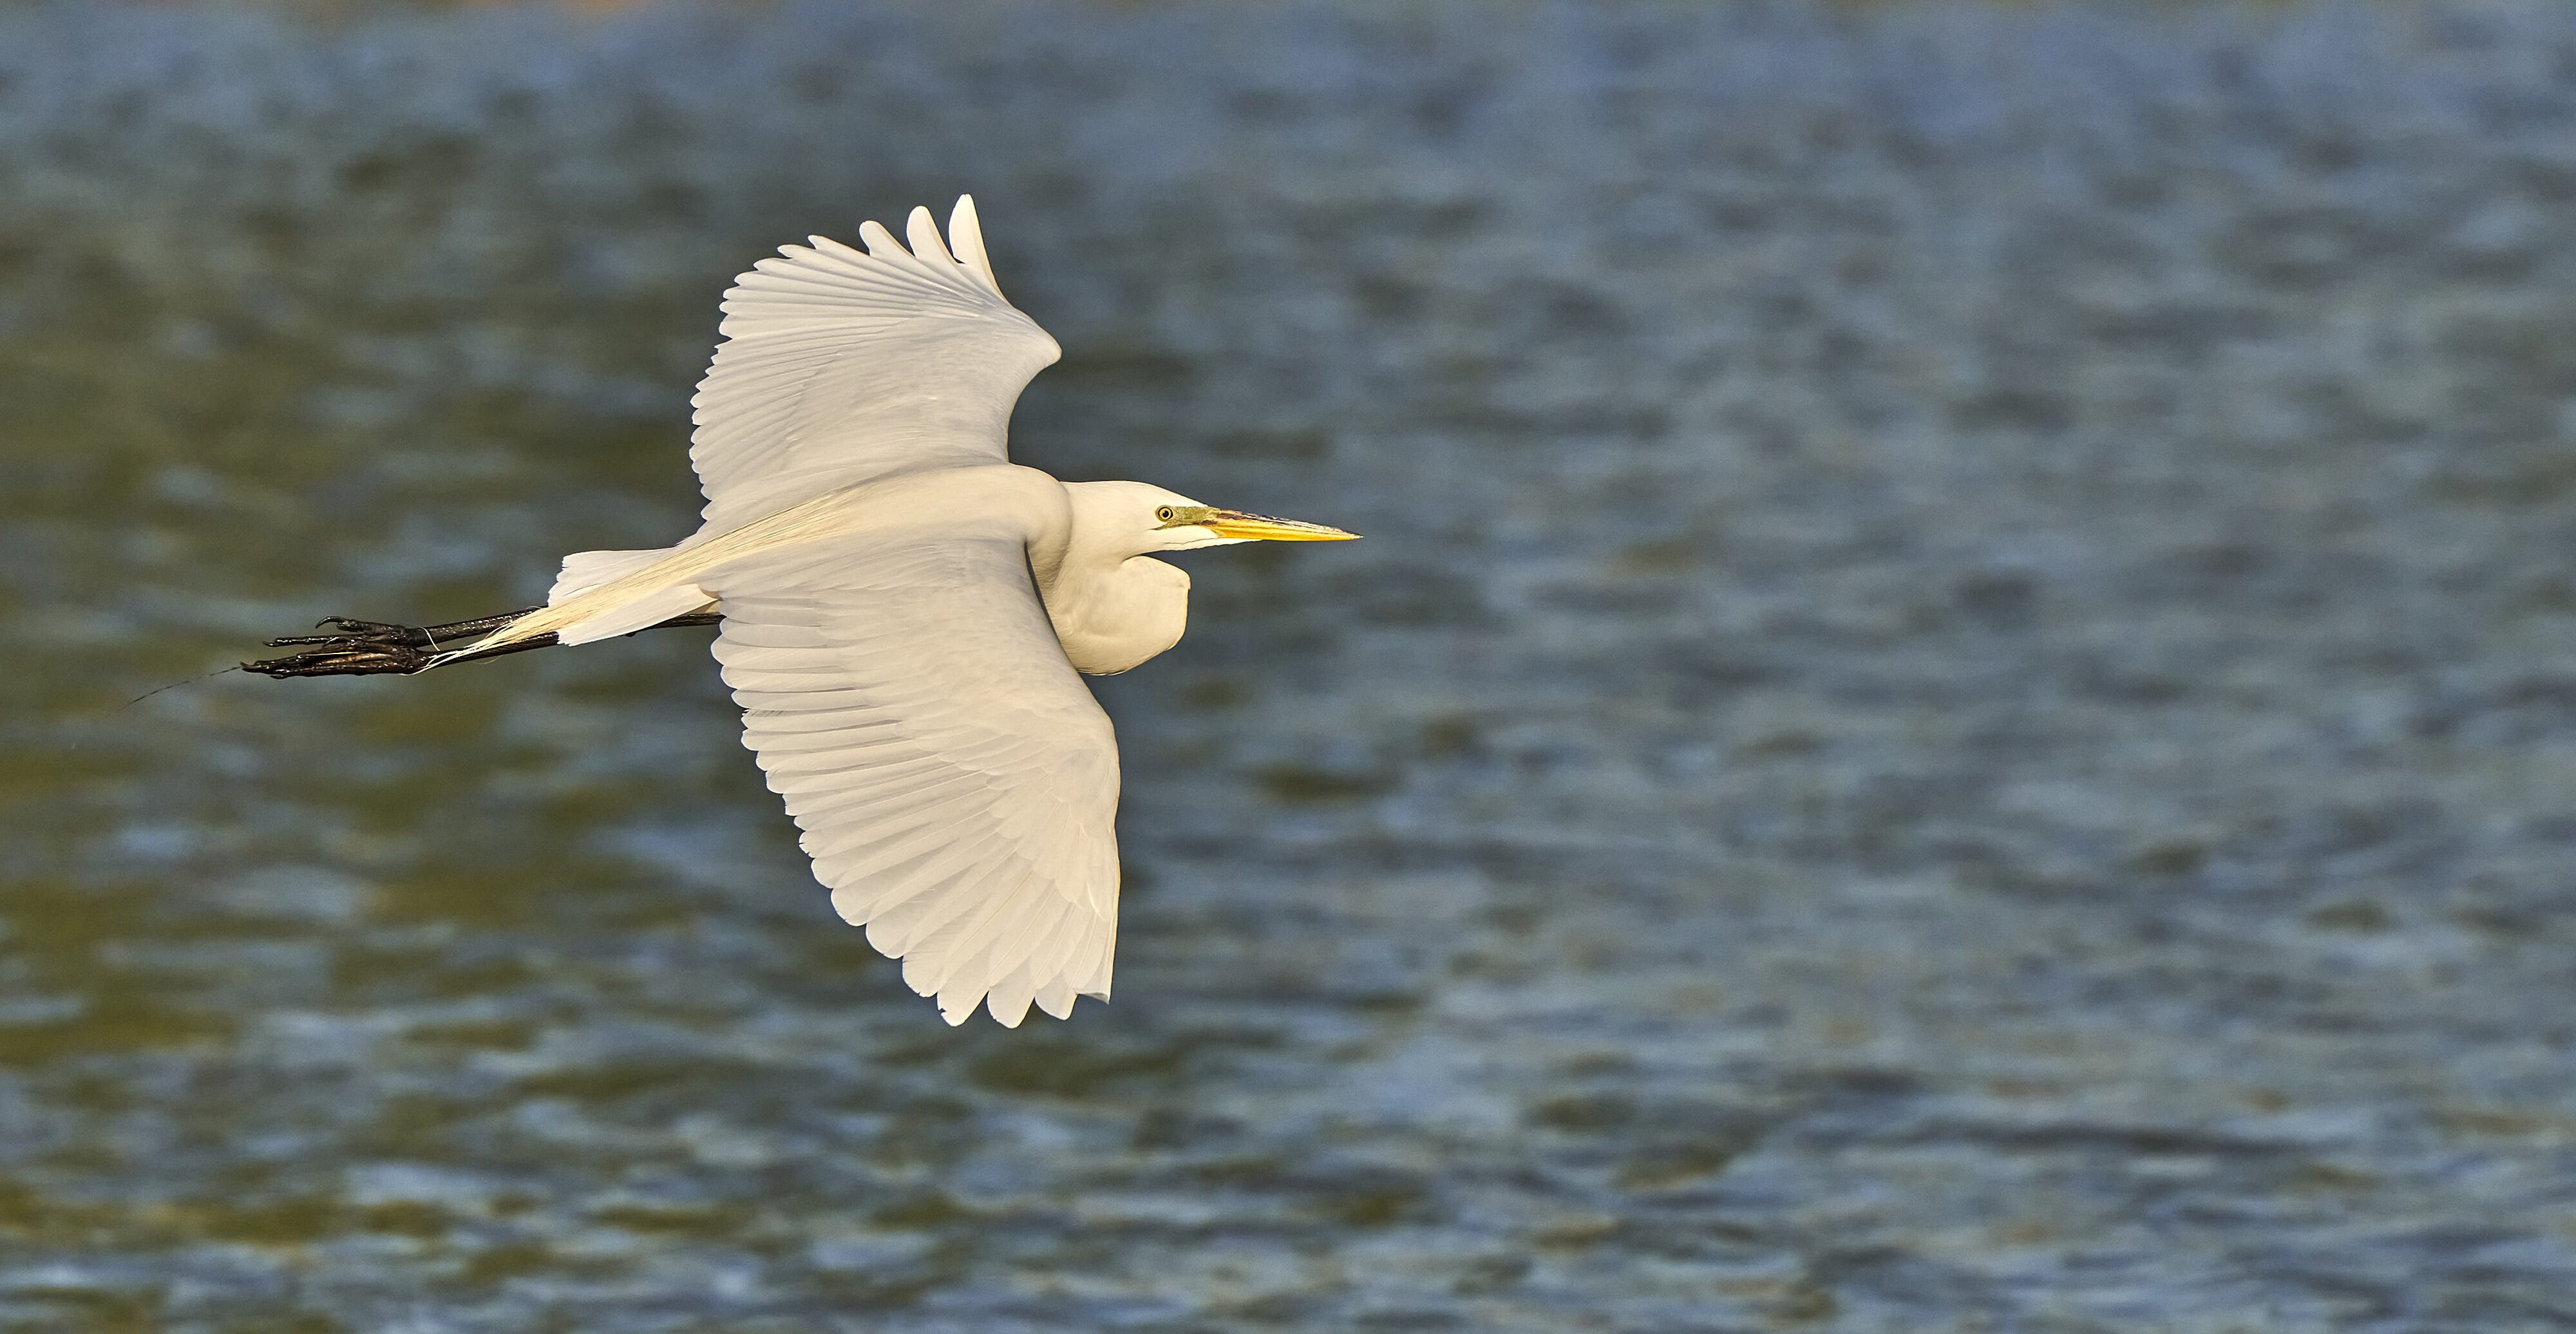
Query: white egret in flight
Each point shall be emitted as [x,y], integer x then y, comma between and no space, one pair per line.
[904,611]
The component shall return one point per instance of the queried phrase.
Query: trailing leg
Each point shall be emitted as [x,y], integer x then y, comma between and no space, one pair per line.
[379,648]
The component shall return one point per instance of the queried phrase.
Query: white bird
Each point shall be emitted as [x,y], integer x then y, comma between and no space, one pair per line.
[905,612]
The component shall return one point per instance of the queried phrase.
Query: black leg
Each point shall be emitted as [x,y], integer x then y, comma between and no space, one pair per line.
[432,637]
[380,648]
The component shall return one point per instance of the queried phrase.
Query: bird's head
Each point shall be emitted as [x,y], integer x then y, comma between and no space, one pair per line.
[1150,519]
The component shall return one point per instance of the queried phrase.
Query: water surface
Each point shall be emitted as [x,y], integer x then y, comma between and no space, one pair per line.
[1956,715]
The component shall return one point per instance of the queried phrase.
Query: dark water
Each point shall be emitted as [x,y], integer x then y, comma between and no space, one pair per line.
[1959,713]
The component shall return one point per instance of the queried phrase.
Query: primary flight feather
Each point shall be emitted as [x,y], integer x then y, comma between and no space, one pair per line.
[905,613]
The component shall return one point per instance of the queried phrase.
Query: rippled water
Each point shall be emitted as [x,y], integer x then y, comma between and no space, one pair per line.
[1959,713]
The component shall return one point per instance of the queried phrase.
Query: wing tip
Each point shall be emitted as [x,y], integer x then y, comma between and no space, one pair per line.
[963,248]
[924,235]
[966,237]
[880,242]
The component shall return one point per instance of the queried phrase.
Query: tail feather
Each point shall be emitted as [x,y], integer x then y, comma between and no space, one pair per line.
[586,570]
[649,610]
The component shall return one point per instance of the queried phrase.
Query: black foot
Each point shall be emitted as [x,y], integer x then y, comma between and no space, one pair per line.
[354,648]
[374,648]
[378,648]
[345,629]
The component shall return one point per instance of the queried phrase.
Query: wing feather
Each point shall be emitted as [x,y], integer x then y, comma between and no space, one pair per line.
[838,366]
[1010,998]
[966,236]
[993,947]
[955,781]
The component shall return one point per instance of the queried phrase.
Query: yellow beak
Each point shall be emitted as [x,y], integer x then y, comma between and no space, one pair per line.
[1262,528]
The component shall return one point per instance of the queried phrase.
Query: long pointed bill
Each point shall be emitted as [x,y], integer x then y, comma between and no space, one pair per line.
[1262,528]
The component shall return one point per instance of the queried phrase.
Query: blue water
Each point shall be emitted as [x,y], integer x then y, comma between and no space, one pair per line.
[1957,714]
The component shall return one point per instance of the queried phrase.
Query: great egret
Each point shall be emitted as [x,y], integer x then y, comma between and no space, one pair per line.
[904,611]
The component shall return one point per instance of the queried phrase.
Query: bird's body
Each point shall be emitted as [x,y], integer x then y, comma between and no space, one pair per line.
[905,612]
[1111,610]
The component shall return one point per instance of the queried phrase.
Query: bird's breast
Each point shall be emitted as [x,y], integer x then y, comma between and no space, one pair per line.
[1111,621]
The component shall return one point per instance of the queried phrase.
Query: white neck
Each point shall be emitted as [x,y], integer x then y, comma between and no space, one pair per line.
[1112,608]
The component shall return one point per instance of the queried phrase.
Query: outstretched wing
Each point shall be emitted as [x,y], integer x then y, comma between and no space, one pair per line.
[837,367]
[956,782]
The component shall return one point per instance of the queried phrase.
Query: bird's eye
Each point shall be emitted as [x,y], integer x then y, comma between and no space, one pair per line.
[1166,514]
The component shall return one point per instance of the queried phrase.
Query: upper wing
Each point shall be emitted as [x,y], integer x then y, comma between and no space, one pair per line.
[956,782]
[838,366]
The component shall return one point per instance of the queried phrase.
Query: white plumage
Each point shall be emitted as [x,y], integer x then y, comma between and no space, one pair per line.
[955,781]
[905,611]
[839,367]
